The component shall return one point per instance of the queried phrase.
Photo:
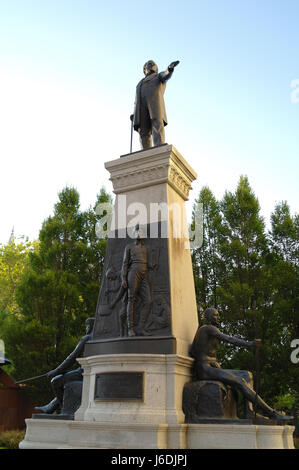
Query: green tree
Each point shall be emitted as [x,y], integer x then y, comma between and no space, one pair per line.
[57,292]
[251,276]
[206,260]
[243,295]
[284,236]
[13,259]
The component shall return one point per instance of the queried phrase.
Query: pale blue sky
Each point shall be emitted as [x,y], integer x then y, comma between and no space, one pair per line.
[68,72]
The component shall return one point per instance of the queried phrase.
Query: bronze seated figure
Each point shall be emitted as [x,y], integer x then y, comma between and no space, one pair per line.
[213,394]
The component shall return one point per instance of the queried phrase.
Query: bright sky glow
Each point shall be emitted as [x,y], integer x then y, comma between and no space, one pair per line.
[68,72]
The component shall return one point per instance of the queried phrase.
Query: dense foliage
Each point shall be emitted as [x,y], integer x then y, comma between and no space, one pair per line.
[57,291]
[49,287]
[251,275]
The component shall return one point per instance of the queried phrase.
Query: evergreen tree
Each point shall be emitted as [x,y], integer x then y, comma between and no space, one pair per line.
[242,249]
[57,292]
[206,261]
[284,280]
[252,278]
[242,292]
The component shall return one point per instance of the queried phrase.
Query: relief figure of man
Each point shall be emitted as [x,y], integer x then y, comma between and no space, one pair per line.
[134,278]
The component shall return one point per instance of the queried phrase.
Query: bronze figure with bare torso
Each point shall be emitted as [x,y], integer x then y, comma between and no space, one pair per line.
[204,350]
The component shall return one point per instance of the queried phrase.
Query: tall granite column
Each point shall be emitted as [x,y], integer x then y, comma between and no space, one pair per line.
[151,187]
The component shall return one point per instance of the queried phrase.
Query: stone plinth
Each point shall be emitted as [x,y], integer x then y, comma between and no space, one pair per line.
[156,421]
[164,377]
[151,188]
[47,434]
[236,436]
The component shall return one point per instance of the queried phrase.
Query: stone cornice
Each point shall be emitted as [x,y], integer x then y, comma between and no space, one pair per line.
[150,167]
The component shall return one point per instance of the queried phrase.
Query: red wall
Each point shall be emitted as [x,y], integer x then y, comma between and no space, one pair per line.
[14,405]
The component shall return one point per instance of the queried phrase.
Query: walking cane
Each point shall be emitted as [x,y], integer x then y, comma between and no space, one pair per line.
[131,143]
[257,359]
[31,378]
[257,371]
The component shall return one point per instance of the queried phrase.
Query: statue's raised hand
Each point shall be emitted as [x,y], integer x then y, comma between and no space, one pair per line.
[172,65]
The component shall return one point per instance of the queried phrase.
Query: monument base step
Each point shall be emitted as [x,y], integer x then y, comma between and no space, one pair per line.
[66,434]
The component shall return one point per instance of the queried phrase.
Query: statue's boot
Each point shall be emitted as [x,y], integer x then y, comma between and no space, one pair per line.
[130,317]
[142,322]
[280,417]
[130,322]
[261,405]
[49,408]
[123,325]
[131,332]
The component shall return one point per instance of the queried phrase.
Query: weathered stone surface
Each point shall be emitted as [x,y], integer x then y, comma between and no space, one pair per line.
[208,399]
[164,377]
[47,434]
[72,397]
[158,178]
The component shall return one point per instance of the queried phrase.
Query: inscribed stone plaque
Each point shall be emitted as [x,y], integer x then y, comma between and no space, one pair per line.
[119,386]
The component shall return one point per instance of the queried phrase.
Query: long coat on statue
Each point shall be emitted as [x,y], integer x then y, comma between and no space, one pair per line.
[153,94]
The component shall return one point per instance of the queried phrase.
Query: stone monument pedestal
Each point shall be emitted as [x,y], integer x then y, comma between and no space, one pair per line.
[151,187]
[140,388]
[133,386]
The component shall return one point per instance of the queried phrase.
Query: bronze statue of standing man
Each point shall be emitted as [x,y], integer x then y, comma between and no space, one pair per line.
[149,116]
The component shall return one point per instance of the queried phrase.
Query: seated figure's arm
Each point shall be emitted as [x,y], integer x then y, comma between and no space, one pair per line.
[71,359]
[231,339]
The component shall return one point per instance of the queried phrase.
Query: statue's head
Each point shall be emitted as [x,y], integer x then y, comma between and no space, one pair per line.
[150,67]
[138,233]
[89,323]
[211,316]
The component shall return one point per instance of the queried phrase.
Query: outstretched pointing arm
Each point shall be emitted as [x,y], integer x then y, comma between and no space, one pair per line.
[168,73]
